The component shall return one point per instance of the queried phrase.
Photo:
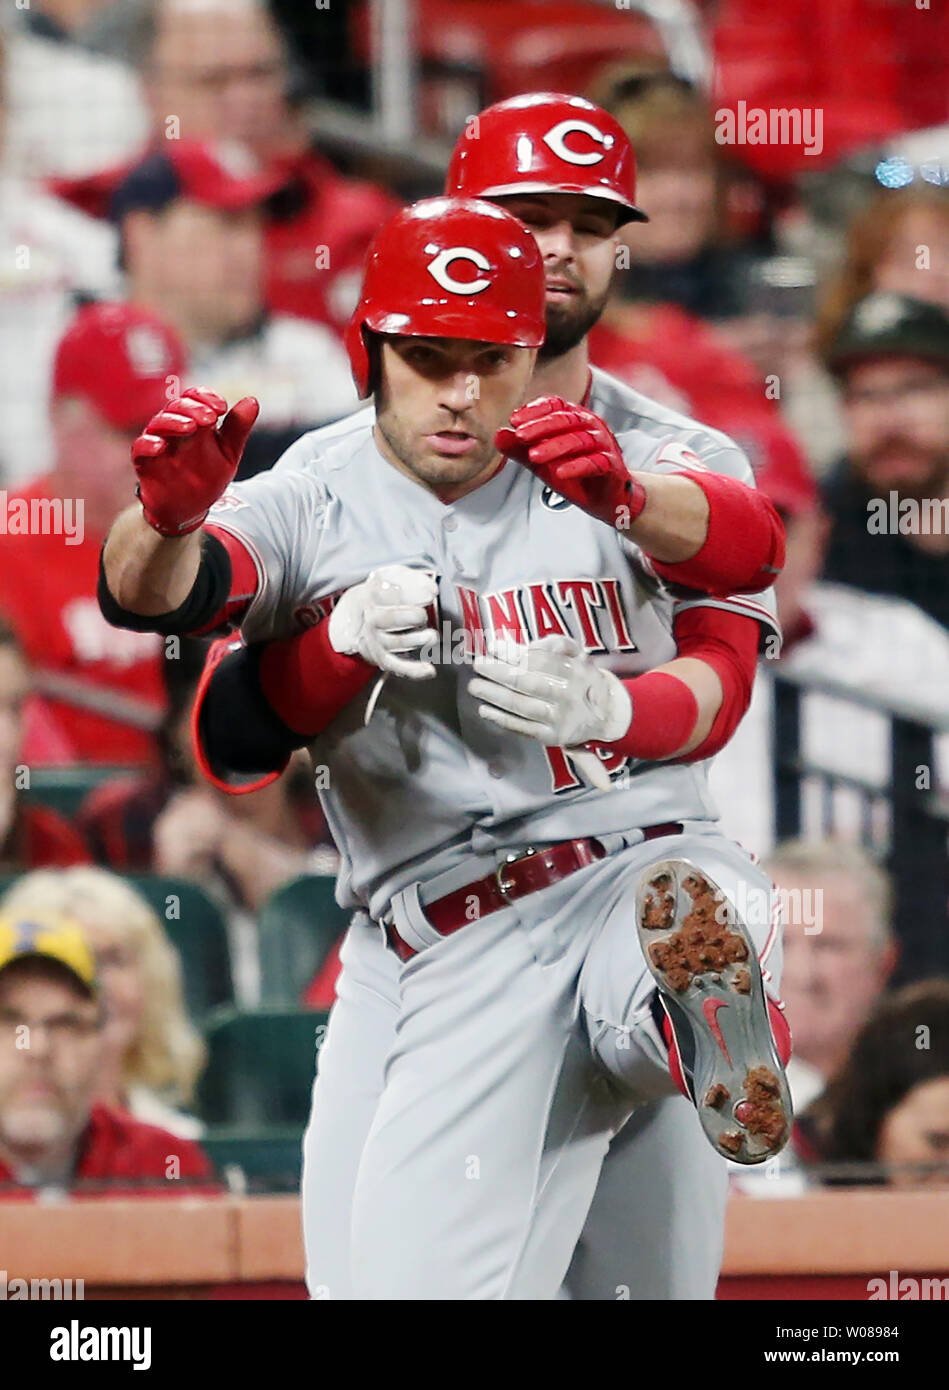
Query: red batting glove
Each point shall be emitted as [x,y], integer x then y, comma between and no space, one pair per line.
[185,460]
[575,453]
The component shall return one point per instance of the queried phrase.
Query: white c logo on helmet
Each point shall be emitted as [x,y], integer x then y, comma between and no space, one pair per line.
[556,140]
[438,269]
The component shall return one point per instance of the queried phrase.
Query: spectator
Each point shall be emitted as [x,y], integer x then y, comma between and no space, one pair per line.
[172,821]
[681,272]
[54,1134]
[99,688]
[51,253]
[888,1106]
[31,836]
[683,255]
[889,497]
[152,1054]
[898,243]
[191,220]
[222,67]
[71,112]
[839,952]
[832,632]
[235,80]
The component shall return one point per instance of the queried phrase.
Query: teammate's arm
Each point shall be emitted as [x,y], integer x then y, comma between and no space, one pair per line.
[685,709]
[700,530]
[256,704]
[716,663]
[160,571]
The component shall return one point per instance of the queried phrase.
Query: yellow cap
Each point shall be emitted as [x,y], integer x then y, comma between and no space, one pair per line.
[49,938]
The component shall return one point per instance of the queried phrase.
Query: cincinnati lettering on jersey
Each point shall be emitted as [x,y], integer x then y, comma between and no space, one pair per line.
[588,610]
[529,612]
[532,611]
[525,613]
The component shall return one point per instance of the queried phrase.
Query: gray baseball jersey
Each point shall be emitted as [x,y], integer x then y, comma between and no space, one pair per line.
[655,1226]
[513,559]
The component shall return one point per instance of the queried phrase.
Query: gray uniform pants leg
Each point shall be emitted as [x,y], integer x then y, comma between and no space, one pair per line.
[486,1146]
[345,1095]
[656,1226]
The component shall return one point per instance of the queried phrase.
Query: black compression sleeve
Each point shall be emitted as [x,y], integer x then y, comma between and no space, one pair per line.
[238,729]
[208,595]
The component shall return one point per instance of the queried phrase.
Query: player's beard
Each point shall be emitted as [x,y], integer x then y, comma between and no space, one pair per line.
[569,323]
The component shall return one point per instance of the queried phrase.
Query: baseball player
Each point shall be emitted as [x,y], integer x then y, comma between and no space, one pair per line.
[546,1093]
[655,1227]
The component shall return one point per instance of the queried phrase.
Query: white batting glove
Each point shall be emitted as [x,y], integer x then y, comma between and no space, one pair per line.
[551,691]
[384,617]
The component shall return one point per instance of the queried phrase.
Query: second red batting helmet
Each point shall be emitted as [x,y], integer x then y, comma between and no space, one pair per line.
[545,142]
[449,268]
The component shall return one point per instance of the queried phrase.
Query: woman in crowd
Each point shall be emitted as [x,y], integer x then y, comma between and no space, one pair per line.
[888,1107]
[154,1054]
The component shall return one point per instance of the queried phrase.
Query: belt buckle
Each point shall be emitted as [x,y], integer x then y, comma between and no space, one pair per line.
[504,886]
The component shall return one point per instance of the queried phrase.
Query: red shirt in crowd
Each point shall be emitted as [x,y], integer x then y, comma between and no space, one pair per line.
[41,838]
[119,1152]
[316,239]
[315,256]
[48,595]
[676,359]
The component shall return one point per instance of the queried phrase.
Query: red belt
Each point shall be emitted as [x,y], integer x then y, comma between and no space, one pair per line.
[519,875]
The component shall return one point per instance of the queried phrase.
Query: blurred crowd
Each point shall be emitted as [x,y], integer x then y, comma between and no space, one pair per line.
[171,215]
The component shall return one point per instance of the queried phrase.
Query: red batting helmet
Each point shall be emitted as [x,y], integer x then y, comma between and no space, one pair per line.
[544,142]
[449,268]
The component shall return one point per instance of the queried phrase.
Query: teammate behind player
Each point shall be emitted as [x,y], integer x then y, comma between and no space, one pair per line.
[567,170]
[482,799]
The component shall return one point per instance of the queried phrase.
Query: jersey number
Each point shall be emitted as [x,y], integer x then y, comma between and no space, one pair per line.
[563,775]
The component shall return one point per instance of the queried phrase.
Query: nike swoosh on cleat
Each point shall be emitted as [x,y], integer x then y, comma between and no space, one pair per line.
[710,1008]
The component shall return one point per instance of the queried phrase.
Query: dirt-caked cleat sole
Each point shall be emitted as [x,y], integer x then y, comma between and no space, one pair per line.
[705,964]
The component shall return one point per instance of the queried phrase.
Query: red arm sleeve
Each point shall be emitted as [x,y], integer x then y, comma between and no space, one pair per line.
[307,682]
[665,711]
[729,644]
[743,548]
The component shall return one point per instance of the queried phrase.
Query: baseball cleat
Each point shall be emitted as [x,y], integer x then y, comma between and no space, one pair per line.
[721,1043]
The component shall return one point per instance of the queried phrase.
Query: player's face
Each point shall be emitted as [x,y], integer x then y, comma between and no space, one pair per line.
[50,1055]
[442,400]
[578,238]
[898,423]
[833,975]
